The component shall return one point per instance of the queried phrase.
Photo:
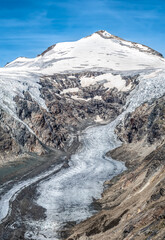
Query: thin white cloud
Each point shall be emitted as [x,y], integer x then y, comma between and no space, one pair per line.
[37,19]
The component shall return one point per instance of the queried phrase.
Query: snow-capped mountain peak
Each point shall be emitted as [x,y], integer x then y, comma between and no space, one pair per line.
[101,52]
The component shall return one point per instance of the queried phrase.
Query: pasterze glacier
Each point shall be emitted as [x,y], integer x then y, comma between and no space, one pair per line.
[63,114]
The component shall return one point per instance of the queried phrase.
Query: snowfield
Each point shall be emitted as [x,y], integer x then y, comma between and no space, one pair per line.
[95,51]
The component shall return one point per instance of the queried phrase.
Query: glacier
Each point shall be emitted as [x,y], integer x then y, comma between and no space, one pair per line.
[67,194]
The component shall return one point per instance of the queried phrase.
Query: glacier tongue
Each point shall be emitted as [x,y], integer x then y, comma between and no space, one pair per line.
[67,195]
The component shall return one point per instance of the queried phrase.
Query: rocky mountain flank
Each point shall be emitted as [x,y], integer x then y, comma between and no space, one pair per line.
[133,204]
[66,115]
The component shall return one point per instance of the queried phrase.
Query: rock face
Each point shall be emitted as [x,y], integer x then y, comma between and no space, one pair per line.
[147,121]
[15,138]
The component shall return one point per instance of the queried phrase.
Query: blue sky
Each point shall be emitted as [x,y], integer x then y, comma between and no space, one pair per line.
[28,27]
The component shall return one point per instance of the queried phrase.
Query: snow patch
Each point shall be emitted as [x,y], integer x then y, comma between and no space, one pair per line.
[98,119]
[142,47]
[75,97]
[110,80]
[69,90]
[97,98]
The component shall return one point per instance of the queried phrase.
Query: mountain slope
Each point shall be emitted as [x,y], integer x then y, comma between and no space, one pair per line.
[93,76]
[101,50]
[46,102]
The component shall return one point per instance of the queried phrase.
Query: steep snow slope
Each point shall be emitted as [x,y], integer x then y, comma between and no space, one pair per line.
[100,50]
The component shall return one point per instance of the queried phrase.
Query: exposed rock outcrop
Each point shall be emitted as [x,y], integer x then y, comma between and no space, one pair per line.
[146,122]
[16,139]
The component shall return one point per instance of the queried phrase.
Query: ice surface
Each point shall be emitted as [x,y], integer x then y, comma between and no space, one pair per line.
[67,195]
[14,191]
[14,82]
